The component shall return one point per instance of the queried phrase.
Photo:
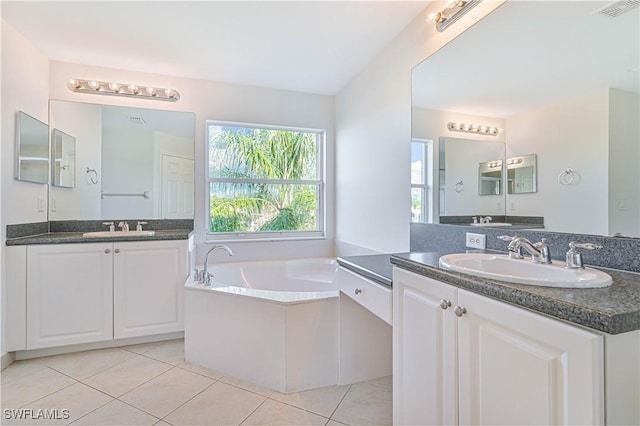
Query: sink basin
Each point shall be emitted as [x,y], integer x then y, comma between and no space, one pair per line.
[491,224]
[118,234]
[522,271]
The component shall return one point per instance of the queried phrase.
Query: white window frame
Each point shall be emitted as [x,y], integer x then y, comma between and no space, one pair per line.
[270,235]
[426,188]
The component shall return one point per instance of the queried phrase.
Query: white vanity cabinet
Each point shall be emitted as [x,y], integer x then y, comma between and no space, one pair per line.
[461,358]
[90,292]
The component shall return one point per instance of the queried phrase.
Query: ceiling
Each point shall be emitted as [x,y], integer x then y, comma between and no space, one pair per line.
[527,54]
[306,46]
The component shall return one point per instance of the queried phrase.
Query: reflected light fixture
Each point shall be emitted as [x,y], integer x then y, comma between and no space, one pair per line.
[454,10]
[120,89]
[473,128]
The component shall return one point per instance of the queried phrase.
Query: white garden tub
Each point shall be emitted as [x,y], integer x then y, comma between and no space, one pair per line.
[271,323]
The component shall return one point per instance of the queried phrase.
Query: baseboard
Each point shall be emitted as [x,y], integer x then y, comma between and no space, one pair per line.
[7,359]
[37,353]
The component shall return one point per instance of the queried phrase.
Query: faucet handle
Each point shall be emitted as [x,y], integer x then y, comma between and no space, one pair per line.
[505,237]
[111,226]
[139,226]
[574,258]
[543,247]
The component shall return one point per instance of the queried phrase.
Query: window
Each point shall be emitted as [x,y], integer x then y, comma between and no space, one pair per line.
[264,182]
[421,180]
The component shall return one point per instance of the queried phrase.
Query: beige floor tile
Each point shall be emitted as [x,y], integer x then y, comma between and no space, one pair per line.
[126,376]
[334,423]
[365,404]
[162,423]
[141,347]
[116,413]
[31,387]
[247,386]
[201,370]
[81,365]
[321,401]
[19,369]
[274,413]
[166,392]
[171,352]
[64,406]
[383,381]
[220,404]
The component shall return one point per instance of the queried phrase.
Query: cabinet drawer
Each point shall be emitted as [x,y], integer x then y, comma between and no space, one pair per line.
[372,296]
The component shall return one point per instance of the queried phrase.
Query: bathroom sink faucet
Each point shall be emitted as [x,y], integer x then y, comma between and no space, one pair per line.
[124,226]
[574,258]
[486,219]
[539,251]
[203,276]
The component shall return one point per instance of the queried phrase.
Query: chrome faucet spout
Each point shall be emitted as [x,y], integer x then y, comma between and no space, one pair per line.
[205,276]
[537,256]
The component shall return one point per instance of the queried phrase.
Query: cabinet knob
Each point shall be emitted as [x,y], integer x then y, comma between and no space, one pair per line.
[459,311]
[107,251]
[358,291]
[117,250]
[444,304]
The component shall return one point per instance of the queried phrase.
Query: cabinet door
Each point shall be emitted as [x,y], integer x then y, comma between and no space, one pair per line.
[69,294]
[147,286]
[519,367]
[424,351]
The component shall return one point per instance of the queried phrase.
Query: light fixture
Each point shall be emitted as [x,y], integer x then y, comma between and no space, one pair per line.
[121,89]
[453,11]
[473,128]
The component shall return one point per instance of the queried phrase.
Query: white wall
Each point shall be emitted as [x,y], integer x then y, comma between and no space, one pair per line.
[25,79]
[624,153]
[544,132]
[226,102]
[373,139]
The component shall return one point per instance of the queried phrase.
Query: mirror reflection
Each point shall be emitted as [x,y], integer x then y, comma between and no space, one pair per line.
[139,163]
[563,85]
[521,174]
[490,178]
[63,157]
[32,149]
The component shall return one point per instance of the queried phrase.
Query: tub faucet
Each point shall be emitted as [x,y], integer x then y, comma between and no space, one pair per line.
[204,277]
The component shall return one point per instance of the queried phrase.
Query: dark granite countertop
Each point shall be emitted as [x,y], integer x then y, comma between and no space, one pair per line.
[376,267]
[76,237]
[613,310]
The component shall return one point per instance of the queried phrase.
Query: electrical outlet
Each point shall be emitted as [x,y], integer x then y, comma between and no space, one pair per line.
[476,241]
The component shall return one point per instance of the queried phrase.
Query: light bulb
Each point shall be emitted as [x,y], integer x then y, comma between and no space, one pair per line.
[133,89]
[75,84]
[114,87]
[94,85]
[150,91]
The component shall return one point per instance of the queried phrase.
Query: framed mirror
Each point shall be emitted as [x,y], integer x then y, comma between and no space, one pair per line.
[32,149]
[521,174]
[63,157]
[564,85]
[139,163]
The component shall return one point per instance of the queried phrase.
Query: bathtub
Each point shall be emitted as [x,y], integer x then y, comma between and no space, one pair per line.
[271,323]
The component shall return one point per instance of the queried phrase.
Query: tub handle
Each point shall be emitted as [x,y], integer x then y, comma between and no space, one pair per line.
[358,291]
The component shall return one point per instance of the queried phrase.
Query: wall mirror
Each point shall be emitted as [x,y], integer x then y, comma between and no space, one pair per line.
[521,174]
[470,178]
[563,85]
[139,163]
[63,159]
[32,149]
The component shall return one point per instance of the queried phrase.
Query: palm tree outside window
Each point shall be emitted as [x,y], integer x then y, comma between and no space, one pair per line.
[264,182]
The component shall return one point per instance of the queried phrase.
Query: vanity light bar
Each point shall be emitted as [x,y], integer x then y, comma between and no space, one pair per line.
[121,89]
[473,128]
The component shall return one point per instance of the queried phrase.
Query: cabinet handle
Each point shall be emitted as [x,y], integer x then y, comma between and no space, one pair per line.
[117,250]
[444,304]
[459,311]
[358,291]
[107,251]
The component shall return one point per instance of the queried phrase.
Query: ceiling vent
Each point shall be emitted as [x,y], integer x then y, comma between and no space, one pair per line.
[618,8]
[137,120]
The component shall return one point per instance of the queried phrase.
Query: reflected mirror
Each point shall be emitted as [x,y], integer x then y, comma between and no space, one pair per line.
[490,178]
[521,174]
[63,157]
[139,163]
[564,85]
[32,149]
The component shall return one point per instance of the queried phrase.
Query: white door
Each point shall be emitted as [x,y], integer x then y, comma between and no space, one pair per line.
[147,287]
[177,175]
[424,351]
[518,367]
[69,294]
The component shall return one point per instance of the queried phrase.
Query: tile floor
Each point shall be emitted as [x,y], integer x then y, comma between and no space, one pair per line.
[150,384]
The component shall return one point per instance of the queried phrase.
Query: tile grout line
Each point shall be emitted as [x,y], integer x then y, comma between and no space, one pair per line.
[342,399]
[188,400]
[266,398]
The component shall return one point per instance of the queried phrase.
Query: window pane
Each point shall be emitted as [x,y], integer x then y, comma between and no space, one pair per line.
[417,159]
[417,205]
[249,153]
[245,207]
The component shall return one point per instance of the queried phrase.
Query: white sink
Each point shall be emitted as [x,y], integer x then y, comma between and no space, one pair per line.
[118,234]
[491,224]
[500,267]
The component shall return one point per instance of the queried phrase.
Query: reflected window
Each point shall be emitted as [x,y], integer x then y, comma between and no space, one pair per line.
[421,180]
[264,182]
